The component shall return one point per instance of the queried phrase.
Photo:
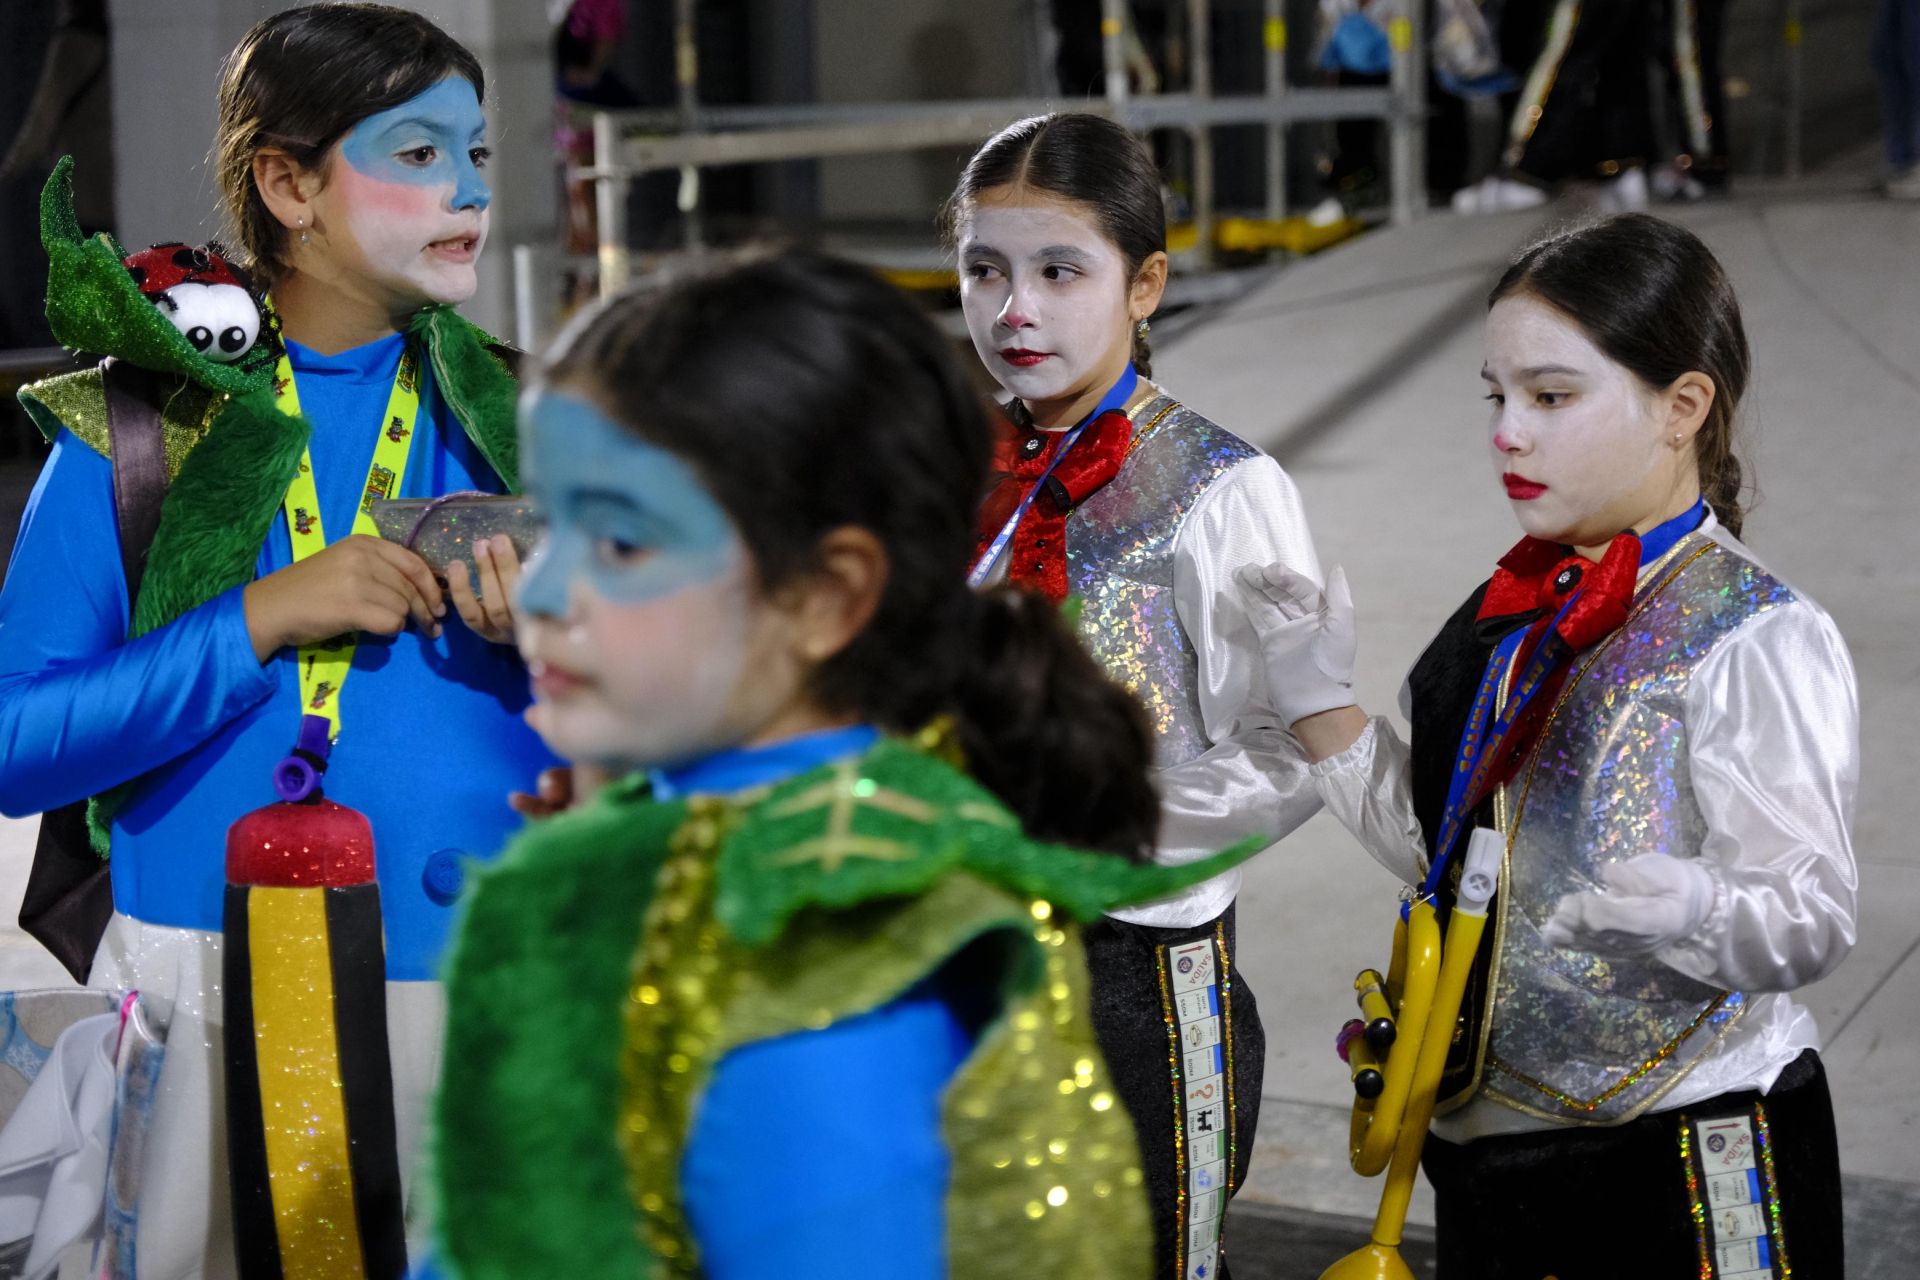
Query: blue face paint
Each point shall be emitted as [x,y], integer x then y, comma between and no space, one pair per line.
[626,518]
[437,139]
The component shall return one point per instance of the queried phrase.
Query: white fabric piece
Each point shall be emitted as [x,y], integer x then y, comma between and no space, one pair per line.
[185,1214]
[53,1150]
[1645,904]
[1369,788]
[1306,634]
[1253,780]
[1773,742]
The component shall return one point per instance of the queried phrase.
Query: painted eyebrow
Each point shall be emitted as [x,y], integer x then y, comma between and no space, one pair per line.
[435,127]
[1066,251]
[972,252]
[1536,371]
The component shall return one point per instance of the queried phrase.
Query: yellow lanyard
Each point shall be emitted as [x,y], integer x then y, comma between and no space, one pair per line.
[324,666]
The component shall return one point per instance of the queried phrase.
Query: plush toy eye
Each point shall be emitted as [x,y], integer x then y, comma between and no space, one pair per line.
[220,320]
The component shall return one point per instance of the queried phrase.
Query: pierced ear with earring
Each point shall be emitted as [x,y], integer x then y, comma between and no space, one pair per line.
[1142,329]
[300,225]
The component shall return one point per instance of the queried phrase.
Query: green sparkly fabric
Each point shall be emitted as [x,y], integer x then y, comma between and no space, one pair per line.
[93,304]
[230,460]
[827,897]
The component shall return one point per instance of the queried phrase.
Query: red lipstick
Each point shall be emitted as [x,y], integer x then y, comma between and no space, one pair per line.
[1021,358]
[1521,489]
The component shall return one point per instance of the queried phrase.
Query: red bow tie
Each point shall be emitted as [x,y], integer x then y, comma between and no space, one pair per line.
[1538,577]
[1534,581]
[1037,556]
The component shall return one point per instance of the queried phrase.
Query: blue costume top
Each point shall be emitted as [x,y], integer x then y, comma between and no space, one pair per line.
[431,740]
[816,1153]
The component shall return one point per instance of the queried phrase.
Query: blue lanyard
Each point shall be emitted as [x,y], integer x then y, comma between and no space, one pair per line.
[983,567]
[1479,748]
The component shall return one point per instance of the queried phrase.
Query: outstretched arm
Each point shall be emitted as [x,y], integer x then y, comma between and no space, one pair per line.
[1360,766]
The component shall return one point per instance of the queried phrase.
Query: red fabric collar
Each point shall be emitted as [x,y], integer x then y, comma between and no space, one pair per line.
[1037,556]
[1537,577]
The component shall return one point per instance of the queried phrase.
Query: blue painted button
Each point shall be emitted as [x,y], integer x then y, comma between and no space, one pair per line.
[444,875]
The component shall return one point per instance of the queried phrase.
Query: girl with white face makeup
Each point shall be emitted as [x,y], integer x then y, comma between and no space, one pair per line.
[351,156]
[1109,489]
[776,1003]
[1664,735]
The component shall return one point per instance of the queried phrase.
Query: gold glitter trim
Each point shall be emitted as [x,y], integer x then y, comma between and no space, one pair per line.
[1695,1208]
[1621,1085]
[1776,1223]
[681,979]
[1226,1038]
[1175,1075]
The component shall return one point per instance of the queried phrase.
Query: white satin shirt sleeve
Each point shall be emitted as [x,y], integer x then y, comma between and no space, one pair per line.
[1253,780]
[1369,788]
[1773,740]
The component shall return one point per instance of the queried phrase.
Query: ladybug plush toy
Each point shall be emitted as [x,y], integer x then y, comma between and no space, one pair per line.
[204,296]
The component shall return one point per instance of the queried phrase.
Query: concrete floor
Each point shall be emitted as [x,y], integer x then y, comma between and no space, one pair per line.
[1359,370]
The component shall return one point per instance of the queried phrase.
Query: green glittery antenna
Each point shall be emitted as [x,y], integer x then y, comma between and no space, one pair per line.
[93,305]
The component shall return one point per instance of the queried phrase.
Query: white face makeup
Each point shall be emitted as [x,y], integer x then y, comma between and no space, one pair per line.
[405,204]
[1045,295]
[638,615]
[1583,448]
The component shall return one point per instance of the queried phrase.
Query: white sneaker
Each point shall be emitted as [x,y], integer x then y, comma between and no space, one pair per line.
[1671,182]
[1326,213]
[1905,185]
[1626,193]
[1498,195]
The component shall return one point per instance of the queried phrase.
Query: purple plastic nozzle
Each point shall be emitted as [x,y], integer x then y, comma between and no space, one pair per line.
[297,777]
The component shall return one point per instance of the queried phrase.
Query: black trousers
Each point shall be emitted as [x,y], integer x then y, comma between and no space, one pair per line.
[1597,115]
[1138,1023]
[1609,1204]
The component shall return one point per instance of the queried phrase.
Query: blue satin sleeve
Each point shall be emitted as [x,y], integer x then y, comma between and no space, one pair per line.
[819,1154]
[82,708]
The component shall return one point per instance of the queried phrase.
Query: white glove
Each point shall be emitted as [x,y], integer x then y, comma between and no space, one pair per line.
[1306,634]
[1649,903]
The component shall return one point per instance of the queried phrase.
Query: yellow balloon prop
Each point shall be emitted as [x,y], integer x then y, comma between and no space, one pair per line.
[1419,1001]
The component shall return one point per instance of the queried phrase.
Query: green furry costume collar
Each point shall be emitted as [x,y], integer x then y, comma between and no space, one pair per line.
[821,899]
[230,460]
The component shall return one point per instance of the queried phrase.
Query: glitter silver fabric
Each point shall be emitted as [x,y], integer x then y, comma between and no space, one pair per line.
[1120,547]
[1573,1036]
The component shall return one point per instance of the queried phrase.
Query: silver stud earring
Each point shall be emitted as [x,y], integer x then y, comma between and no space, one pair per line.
[1677,437]
[301,225]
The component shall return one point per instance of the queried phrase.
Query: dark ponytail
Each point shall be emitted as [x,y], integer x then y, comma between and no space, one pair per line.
[810,395]
[1085,158]
[1653,297]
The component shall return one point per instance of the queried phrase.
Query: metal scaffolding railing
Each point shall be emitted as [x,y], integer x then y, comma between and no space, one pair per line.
[692,136]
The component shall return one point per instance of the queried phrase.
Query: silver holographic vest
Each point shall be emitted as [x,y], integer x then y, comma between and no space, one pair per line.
[1120,563]
[1573,1037]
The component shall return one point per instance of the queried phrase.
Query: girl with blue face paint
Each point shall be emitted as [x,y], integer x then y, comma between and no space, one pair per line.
[777,1003]
[351,155]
